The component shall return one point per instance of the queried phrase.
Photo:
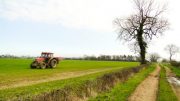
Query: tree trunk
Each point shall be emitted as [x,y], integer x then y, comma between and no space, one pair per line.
[170,58]
[143,53]
[142,46]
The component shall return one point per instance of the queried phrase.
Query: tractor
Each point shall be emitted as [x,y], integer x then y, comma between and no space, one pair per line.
[45,60]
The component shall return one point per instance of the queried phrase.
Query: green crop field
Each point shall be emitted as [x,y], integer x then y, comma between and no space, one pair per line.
[17,70]
[12,70]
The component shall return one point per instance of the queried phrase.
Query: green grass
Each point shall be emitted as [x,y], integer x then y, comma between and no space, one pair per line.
[175,70]
[12,70]
[165,92]
[123,90]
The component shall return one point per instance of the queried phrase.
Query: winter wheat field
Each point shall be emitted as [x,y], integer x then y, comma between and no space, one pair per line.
[83,80]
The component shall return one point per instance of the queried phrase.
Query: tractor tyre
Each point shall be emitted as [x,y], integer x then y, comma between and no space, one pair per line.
[53,63]
[34,65]
[42,65]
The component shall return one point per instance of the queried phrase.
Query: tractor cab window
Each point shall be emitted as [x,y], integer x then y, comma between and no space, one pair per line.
[47,55]
[43,55]
[50,55]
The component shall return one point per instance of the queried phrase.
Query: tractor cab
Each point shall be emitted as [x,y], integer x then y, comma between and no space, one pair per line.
[46,55]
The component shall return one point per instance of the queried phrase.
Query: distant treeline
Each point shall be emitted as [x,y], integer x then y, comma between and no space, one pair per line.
[15,57]
[108,58]
[86,57]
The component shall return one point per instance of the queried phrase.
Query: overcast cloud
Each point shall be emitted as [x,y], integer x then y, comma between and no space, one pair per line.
[94,15]
[91,14]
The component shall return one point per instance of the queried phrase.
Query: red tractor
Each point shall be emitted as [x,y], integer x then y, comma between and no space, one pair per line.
[45,60]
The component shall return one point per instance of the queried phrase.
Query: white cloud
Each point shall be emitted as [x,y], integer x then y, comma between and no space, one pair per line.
[93,14]
[88,14]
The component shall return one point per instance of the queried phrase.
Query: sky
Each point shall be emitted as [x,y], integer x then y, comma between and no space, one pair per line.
[72,28]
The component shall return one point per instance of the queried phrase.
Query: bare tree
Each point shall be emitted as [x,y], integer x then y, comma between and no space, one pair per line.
[172,50]
[154,57]
[141,26]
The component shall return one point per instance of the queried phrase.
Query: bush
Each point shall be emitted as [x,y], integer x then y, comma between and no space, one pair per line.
[175,63]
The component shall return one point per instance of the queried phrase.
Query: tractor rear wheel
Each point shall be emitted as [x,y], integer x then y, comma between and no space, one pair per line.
[53,63]
[42,65]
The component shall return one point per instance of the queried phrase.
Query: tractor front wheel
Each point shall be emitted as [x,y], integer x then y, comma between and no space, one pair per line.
[34,64]
[53,63]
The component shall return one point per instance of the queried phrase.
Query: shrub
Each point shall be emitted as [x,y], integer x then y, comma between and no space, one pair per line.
[175,63]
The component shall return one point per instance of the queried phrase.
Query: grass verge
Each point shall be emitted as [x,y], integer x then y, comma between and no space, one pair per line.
[165,92]
[123,90]
[175,70]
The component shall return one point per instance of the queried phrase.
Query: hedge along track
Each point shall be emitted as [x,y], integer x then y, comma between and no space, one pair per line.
[90,88]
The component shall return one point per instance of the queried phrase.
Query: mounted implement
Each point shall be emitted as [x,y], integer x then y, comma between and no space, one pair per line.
[45,60]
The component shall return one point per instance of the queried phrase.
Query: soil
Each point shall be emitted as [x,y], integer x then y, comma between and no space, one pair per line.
[174,81]
[59,76]
[147,90]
